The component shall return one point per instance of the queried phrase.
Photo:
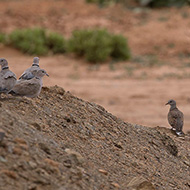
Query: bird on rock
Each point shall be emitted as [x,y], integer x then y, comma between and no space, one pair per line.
[29,88]
[175,118]
[7,77]
[28,73]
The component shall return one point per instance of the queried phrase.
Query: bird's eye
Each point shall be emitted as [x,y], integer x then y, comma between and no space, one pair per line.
[1,60]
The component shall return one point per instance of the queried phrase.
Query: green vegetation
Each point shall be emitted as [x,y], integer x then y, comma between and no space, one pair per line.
[31,41]
[150,3]
[98,45]
[56,42]
[168,3]
[101,2]
[94,45]
[36,41]
[2,38]
[120,49]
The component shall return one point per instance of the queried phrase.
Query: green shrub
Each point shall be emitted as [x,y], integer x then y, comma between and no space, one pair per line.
[120,47]
[78,42]
[165,3]
[56,42]
[37,41]
[99,2]
[169,3]
[2,38]
[94,45]
[102,2]
[98,45]
[31,41]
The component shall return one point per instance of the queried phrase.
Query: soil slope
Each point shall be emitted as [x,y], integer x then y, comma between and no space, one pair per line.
[58,141]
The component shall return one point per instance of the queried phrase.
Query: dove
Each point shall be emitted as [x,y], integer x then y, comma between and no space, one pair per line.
[7,77]
[29,73]
[29,88]
[175,118]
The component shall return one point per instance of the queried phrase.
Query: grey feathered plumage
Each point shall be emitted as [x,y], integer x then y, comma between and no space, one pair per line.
[7,77]
[29,88]
[29,73]
[175,117]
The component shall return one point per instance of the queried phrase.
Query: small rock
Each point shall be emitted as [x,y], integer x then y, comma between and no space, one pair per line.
[37,126]
[103,171]
[2,159]
[45,148]
[186,163]
[32,187]
[52,162]
[75,156]
[9,173]
[118,145]
[17,150]
[32,164]
[2,135]
[115,185]
[76,175]
[20,141]
[67,163]
[139,183]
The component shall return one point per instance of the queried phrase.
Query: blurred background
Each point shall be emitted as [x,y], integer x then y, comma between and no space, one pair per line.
[130,56]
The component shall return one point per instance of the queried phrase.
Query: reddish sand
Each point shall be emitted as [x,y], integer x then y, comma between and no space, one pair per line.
[135,91]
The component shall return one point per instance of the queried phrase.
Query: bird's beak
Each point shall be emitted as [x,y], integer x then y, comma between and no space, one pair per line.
[47,75]
[166,103]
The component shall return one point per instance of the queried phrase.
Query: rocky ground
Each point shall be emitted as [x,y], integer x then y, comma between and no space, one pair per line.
[58,141]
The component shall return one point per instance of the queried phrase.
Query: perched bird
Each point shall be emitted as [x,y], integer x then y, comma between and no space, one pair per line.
[175,118]
[29,88]
[29,73]
[7,77]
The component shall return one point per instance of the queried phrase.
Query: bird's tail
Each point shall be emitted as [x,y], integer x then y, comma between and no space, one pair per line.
[12,93]
[3,90]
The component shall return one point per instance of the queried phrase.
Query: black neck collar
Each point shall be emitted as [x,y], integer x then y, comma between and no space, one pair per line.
[34,64]
[5,68]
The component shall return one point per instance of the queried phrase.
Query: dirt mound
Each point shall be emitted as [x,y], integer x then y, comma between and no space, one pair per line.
[58,141]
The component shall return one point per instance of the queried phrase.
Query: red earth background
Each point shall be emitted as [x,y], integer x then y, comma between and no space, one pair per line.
[136,90]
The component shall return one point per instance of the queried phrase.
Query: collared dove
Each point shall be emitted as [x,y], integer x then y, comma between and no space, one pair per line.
[29,73]
[175,118]
[29,88]
[7,77]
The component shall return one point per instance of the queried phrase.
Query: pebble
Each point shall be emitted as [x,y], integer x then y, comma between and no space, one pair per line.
[115,185]
[75,156]
[9,173]
[103,171]
[32,164]
[2,135]
[2,159]
[52,162]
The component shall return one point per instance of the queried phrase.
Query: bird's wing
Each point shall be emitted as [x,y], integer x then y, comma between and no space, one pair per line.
[27,76]
[29,73]
[26,88]
[175,119]
[179,121]
[9,74]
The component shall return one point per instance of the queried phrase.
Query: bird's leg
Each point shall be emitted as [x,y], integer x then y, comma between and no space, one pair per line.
[179,133]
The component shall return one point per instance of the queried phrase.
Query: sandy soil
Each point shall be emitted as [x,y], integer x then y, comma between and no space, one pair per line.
[61,142]
[135,91]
